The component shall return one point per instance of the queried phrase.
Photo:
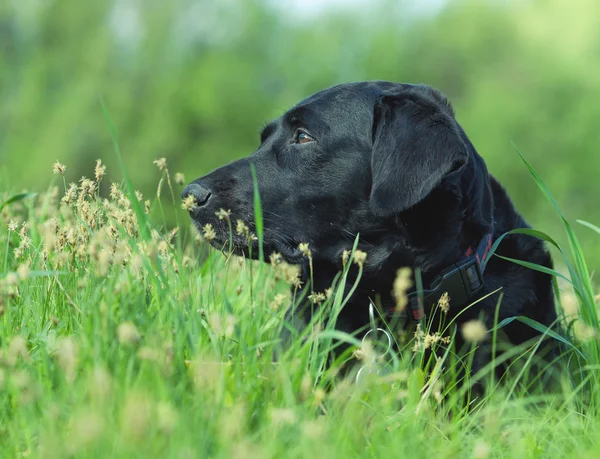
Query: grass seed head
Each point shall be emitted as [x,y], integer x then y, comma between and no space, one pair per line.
[275,259]
[127,333]
[223,214]
[474,331]
[282,416]
[161,163]
[58,168]
[17,349]
[136,416]
[277,301]
[359,257]
[66,354]
[345,257]
[317,297]
[444,302]
[166,417]
[208,232]
[100,170]
[13,226]
[303,247]
[402,283]
[85,428]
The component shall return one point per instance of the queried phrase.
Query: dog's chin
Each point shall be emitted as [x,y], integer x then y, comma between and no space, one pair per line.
[241,247]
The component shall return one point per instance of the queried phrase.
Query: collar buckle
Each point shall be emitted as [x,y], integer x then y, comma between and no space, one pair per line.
[463,281]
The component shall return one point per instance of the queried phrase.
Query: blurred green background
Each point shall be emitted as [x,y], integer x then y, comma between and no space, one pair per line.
[193,81]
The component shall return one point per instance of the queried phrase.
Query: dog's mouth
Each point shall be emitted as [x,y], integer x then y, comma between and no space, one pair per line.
[240,240]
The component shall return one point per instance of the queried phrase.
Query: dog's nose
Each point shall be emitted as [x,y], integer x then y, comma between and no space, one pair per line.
[200,194]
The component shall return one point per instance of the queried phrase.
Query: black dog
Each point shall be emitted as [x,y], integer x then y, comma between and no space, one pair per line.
[389,162]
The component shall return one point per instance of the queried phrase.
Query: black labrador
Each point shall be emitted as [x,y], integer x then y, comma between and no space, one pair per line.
[389,162]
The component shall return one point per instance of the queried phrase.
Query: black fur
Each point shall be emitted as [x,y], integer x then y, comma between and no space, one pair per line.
[388,161]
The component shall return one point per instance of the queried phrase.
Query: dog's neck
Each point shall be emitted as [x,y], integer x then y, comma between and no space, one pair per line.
[418,238]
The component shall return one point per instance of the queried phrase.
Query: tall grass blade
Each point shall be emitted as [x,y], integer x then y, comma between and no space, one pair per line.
[17,198]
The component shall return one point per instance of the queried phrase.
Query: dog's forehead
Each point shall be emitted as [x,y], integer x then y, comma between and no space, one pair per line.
[345,103]
[347,98]
[361,93]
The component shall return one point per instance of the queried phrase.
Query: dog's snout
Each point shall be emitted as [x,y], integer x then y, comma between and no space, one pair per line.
[200,194]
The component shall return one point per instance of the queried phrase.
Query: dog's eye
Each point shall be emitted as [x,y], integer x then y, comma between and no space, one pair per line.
[302,137]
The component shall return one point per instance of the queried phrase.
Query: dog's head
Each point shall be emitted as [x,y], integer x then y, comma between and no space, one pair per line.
[347,160]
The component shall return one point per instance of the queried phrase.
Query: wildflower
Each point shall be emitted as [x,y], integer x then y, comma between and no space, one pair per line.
[474,331]
[444,302]
[208,232]
[100,170]
[328,292]
[189,203]
[401,284]
[303,247]
[359,257]
[161,163]
[58,168]
[223,214]
[179,178]
[13,226]
[127,333]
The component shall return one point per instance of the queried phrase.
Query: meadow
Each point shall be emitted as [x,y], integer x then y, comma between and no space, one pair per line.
[120,337]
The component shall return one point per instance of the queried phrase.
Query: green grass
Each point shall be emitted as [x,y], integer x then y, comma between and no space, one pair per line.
[121,340]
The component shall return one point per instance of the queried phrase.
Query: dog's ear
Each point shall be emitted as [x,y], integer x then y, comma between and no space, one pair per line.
[416,142]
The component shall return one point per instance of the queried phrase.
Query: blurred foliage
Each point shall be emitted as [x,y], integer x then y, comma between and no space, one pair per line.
[194,80]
